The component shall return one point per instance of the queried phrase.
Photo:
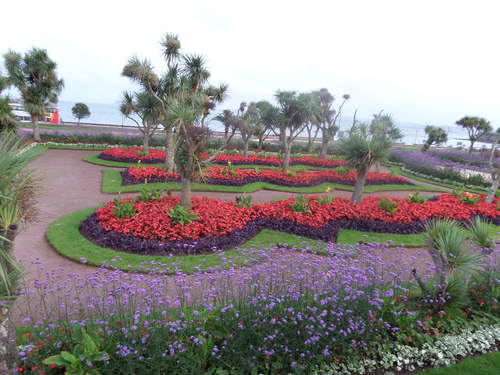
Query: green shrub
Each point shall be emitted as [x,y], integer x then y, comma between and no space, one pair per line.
[153,195]
[84,355]
[300,204]
[416,198]
[480,232]
[123,208]
[181,215]
[243,201]
[388,205]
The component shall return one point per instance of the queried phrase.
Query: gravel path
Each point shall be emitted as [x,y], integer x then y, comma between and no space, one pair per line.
[68,184]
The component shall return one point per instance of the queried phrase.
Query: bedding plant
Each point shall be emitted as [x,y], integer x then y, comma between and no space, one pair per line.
[134,154]
[232,176]
[151,228]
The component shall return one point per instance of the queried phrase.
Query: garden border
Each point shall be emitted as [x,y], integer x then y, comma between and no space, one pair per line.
[111,183]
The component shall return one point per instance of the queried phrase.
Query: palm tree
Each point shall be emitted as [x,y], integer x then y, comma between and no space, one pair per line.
[7,119]
[146,108]
[384,126]
[35,76]
[362,149]
[294,112]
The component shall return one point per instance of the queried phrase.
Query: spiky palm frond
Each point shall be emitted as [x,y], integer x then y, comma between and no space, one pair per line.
[171,47]
[141,72]
[481,233]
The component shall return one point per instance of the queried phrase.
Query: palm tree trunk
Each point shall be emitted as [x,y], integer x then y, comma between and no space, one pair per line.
[286,158]
[495,184]
[324,147]
[261,142]
[36,129]
[309,140]
[360,185]
[186,192]
[492,152]
[471,147]
[170,154]
[145,142]
[245,147]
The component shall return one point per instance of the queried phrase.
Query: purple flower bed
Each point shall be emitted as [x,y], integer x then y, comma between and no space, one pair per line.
[127,179]
[92,230]
[462,159]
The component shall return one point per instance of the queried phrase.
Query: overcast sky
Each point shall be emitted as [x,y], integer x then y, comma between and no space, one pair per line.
[423,61]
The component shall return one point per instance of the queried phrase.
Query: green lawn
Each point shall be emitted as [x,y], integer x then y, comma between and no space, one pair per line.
[486,364]
[63,234]
[112,184]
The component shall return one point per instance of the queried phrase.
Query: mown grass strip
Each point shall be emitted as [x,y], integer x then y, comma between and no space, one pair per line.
[112,184]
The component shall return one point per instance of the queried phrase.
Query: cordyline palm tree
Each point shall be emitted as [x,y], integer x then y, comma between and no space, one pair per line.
[144,110]
[383,125]
[362,149]
[186,100]
[35,76]
[227,119]
[185,74]
[7,119]
[269,117]
[295,110]
[164,88]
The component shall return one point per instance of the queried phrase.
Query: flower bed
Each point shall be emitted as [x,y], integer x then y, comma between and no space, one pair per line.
[273,160]
[223,225]
[133,155]
[427,164]
[240,177]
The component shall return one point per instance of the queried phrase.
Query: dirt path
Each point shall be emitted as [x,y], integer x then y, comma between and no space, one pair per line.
[68,184]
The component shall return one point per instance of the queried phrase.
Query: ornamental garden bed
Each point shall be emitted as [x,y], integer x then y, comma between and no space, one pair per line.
[112,183]
[155,225]
[232,176]
[155,156]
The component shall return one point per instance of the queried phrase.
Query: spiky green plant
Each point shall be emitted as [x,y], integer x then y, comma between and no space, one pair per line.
[455,264]
[481,233]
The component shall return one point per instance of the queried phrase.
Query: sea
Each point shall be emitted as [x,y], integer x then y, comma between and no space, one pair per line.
[109,114]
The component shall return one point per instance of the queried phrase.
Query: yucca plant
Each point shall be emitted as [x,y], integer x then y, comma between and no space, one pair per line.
[481,233]
[455,264]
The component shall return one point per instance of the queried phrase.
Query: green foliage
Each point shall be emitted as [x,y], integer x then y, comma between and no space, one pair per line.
[80,110]
[181,215]
[416,198]
[476,127]
[300,204]
[243,201]
[388,205]
[326,199]
[151,195]
[455,265]
[80,361]
[124,208]
[435,135]
[481,233]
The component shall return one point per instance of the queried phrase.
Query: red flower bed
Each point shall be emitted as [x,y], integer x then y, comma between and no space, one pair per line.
[133,155]
[218,218]
[151,219]
[274,160]
[239,177]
